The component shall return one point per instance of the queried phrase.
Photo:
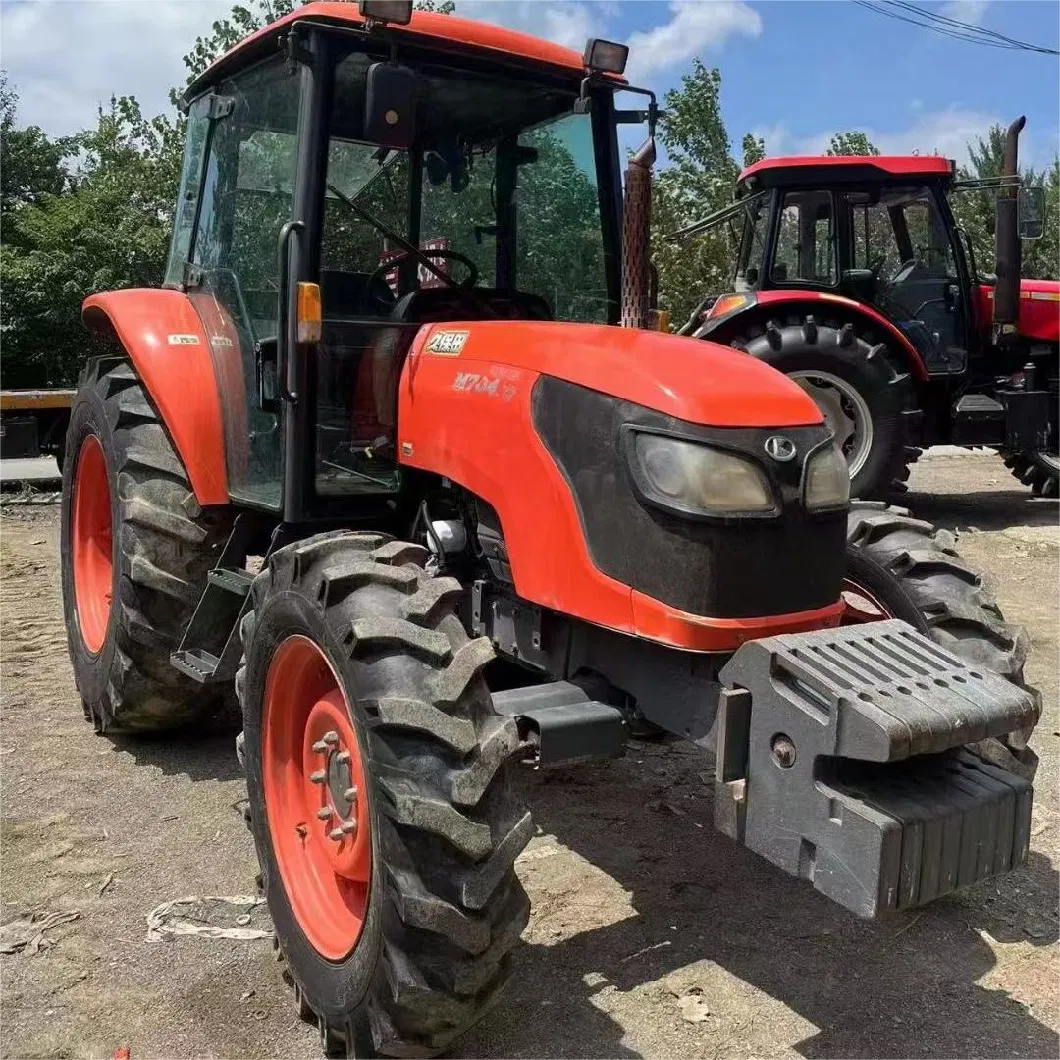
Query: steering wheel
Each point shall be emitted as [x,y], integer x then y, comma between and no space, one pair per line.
[449,255]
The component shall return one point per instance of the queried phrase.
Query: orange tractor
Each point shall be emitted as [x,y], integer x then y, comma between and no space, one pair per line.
[395,456]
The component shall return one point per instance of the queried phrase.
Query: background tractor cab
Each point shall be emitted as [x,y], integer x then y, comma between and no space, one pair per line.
[868,247]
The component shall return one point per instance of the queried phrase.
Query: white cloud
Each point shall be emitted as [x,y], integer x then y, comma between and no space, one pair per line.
[695,26]
[945,132]
[969,11]
[66,59]
[776,137]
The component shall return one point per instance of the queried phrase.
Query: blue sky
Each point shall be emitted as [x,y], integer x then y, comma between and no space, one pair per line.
[794,71]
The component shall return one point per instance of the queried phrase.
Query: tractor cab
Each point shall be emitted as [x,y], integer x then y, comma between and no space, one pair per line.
[870,245]
[877,230]
[348,179]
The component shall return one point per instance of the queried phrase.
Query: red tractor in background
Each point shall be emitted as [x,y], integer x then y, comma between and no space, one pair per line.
[425,531]
[854,279]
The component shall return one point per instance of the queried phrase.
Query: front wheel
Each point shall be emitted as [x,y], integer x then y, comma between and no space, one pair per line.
[380,795]
[905,568]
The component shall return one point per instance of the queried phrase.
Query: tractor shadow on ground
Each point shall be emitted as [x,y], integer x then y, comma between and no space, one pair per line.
[205,755]
[984,510]
[906,987]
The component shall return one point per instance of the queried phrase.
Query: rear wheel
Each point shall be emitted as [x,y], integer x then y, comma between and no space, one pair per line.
[136,549]
[901,567]
[1039,470]
[864,398]
[380,795]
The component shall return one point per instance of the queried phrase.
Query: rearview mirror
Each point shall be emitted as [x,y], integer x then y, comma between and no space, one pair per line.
[390,106]
[1031,212]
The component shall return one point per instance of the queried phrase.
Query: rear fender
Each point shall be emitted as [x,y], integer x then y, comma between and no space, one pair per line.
[809,302]
[165,340]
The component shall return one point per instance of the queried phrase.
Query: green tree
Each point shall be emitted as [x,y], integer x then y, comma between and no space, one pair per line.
[31,163]
[851,143]
[697,180]
[754,149]
[107,227]
[975,210]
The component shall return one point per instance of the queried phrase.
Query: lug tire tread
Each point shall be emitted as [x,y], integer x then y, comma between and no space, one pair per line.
[449,827]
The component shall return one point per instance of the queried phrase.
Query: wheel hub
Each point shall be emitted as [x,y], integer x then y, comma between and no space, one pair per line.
[92,544]
[316,797]
[845,412]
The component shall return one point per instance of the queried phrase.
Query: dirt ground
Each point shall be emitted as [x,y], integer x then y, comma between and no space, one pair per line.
[652,935]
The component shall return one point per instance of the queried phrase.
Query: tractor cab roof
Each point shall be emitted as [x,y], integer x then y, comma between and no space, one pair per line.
[818,170]
[461,35]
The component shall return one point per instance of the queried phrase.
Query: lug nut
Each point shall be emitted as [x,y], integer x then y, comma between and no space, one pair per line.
[343,757]
[349,826]
[325,813]
[331,737]
[320,747]
[318,777]
[336,834]
[783,751]
[350,794]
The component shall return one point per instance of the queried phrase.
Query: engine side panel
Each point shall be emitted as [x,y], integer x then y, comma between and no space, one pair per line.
[468,415]
[1039,309]
[165,340]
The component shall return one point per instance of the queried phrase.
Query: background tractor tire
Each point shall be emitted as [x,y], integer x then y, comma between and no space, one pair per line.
[135,603]
[912,570]
[853,382]
[444,906]
[1040,471]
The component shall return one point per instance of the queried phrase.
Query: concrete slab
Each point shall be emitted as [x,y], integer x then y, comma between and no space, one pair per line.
[35,469]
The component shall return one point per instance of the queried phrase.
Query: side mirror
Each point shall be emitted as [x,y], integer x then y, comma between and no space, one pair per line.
[1032,212]
[390,106]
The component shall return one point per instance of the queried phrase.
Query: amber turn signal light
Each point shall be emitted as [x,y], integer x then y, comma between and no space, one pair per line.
[309,315]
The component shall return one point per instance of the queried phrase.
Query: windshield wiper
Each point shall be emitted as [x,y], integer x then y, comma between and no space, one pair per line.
[413,251]
[403,244]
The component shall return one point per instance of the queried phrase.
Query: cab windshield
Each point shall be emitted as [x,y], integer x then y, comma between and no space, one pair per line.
[500,192]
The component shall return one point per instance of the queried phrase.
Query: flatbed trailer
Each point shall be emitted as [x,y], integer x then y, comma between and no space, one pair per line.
[33,423]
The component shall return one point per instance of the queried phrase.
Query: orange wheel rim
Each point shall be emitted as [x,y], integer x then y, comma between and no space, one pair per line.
[859,605]
[316,799]
[92,544]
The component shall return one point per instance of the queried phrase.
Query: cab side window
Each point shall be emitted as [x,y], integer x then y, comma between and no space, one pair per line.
[805,244]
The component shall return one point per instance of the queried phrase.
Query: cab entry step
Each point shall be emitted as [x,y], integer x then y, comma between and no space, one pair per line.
[839,759]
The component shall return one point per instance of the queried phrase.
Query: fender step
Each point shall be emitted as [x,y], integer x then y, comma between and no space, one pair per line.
[839,760]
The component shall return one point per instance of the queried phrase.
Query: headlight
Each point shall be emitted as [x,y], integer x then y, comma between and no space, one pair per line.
[696,478]
[827,480]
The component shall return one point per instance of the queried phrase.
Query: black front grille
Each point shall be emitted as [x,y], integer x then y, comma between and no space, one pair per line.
[731,568]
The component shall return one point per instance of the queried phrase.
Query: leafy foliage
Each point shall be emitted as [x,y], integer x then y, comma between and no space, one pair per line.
[698,180]
[104,224]
[975,210]
[851,143]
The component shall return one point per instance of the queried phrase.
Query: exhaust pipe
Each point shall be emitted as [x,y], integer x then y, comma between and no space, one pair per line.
[636,239]
[1009,247]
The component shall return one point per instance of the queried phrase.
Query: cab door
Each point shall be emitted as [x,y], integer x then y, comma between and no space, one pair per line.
[237,194]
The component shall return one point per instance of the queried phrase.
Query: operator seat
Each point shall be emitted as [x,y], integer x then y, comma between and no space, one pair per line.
[430,304]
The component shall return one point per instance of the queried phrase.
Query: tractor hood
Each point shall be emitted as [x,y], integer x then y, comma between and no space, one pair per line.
[1039,313]
[692,380]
